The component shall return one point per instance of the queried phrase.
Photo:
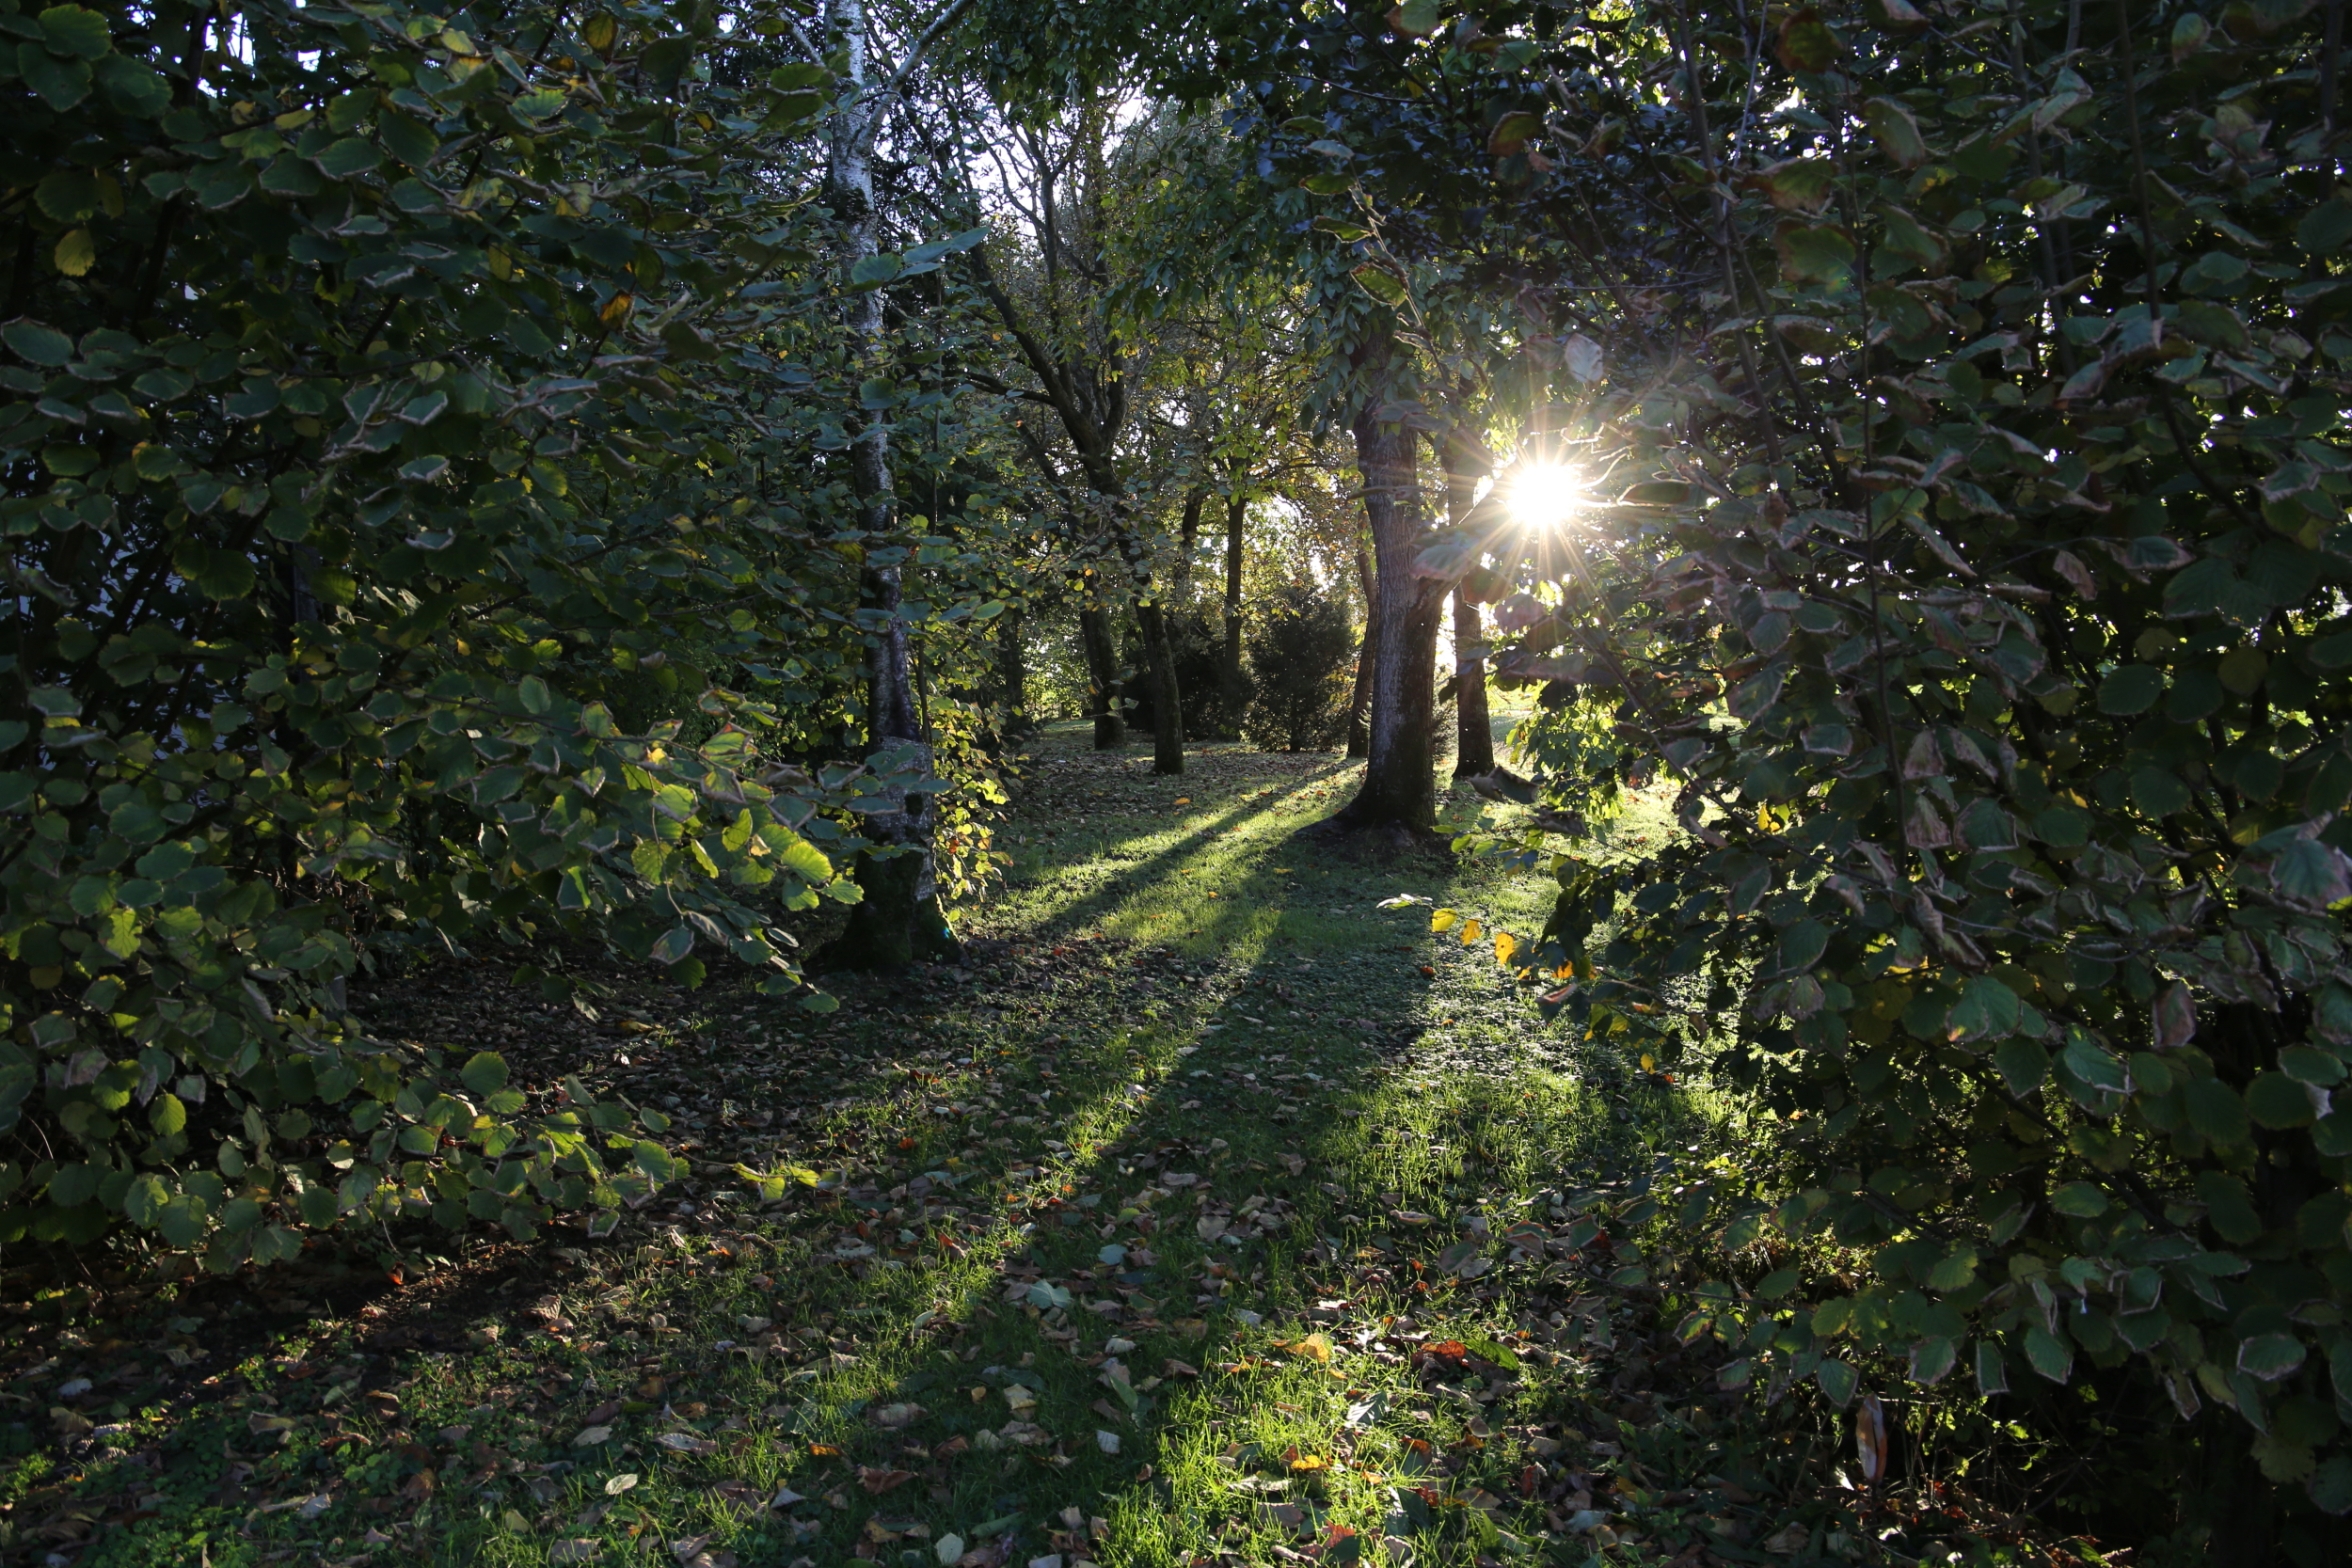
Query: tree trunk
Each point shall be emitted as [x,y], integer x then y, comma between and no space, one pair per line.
[1013,675]
[1473,734]
[1235,696]
[1188,540]
[900,919]
[1168,714]
[1094,637]
[1360,701]
[1400,790]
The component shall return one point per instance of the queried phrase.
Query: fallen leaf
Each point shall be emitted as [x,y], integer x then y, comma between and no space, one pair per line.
[891,1417]
[1314,1347]
[1107,1441]
[879,1481]
[948,1549]
[575,1551]
[590,1437]
[615,1485]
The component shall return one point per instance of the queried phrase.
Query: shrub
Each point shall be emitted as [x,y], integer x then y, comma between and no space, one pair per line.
[1302,654]
[340,481]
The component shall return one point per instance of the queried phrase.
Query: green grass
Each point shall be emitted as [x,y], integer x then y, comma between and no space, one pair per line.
[1127,1245]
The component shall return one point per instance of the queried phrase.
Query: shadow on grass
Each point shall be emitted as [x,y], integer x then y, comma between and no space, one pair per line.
[934,1345]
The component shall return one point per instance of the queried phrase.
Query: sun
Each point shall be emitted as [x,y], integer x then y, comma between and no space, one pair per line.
[1545,495]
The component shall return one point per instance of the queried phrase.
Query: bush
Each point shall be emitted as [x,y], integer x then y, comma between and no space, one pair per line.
[1302,654]
[345,489]
[1199,644]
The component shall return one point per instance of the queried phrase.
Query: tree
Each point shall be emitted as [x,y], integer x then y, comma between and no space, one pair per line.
[1301,642]
[900,919]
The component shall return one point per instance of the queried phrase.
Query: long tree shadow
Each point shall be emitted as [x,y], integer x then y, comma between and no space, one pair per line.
[1068,1261]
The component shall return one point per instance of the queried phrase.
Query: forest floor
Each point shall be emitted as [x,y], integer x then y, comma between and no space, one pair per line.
[1210,1213]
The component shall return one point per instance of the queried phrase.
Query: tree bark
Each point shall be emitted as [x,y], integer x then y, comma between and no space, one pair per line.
[1188,540]
[1167,713]
[1360,701]
[1012,674]
[899,918]
[1473,734]
[1400,790]
[1236,691]
[1102,657]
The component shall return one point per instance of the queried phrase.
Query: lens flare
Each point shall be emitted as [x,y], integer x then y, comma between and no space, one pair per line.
[1545,495]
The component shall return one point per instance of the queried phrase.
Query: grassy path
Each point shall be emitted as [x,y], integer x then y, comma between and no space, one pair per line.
[1213,1215]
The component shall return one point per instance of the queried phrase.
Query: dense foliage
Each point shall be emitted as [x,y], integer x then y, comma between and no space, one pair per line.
[1979,587]
[1302,651]
[412,541]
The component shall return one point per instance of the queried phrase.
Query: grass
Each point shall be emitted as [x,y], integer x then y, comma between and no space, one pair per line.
[1212,1213]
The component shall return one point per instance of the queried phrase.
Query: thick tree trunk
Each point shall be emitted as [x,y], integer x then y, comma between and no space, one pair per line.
[1473,734]
[1235,693]
[1400,790]
[900,919]
[1167,713]
[1360,701]
[1102,657]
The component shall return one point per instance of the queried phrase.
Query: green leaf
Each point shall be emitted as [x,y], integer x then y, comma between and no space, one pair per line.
[36,344]
[1839,1382]
[1810,254]
[1417,18]
[2271,1356]
[2277,1100]
[2216,1111]
[182,1220]
[2331,1485]
[2048,1355]
[408,139]
[72,30]
[350,157]
[2131,688]
[1931,1358]
[1897,133]
[1807,42]
[1988,1010]
[2081,1200]
[2326,228]
[2022,1065]
[675,945]
[133,86]
[61,83]
[145,1202]
[167,1115]
[484,1073]
[1954,1272]
[653,1160]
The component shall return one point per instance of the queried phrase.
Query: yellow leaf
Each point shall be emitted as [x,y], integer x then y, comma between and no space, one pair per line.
[1314,1347]
[1184,800]
[617,309]
[1309,1462]
[1505,944]
[1649,1063]
[75,252]
[1471,931]
[1440,919]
